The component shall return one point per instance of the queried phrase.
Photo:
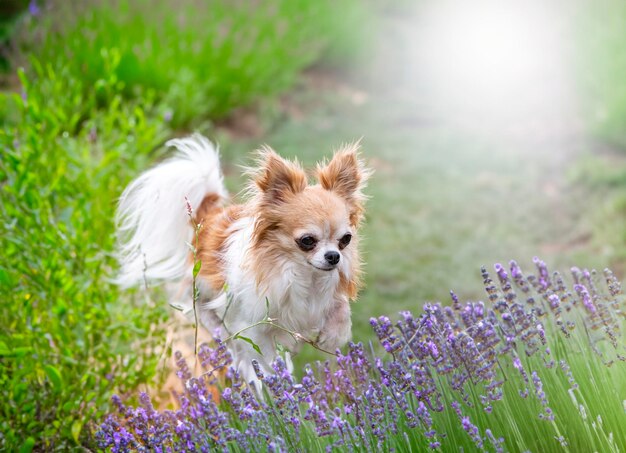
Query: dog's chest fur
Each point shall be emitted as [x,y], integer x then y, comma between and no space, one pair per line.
[306,297]
[299,297]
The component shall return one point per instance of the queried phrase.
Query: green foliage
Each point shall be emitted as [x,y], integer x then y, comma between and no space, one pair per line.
[104,83]
[67,339]
[601,57]
[201,58]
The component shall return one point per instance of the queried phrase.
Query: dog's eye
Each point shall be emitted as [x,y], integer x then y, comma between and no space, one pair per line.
[345,240]
[306,243]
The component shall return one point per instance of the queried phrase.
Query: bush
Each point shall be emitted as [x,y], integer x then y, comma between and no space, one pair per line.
[542,370]
[201,58]
[67,339]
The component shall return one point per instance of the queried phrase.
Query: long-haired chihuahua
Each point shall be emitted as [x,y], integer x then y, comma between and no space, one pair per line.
[289,252]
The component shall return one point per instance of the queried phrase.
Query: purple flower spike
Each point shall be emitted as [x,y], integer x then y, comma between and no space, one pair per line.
[472,430]
[33,8]
[501,272]
[516,272]
[586,297]
[188,207]
[544,276]
[554,301]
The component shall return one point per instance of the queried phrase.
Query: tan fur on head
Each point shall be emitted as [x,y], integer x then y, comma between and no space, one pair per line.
[274,182]
[277,178]
[347,176]
[284,204]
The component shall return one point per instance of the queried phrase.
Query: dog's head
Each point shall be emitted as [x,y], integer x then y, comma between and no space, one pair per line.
[316,225]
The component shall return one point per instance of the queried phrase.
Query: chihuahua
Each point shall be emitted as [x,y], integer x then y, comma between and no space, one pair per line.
[287,255]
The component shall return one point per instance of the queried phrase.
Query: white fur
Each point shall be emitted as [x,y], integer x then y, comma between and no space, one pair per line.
[299,297]
[152,222]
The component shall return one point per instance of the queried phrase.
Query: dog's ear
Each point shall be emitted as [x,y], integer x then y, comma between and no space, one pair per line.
[277,178]
[346,175]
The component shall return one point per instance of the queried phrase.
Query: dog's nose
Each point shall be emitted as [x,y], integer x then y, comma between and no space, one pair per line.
[332,257]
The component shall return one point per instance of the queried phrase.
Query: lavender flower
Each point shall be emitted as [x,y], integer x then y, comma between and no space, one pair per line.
[544,276]
[33,8]
[501,272]
[188,207]
[476,355]
[585,297]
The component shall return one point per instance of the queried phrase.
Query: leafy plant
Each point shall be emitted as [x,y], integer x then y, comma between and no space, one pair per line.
[203,59]
[103,85]
[67,337]
[524,371]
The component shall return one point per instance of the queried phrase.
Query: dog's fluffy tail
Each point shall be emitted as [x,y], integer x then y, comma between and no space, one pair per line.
[153,225]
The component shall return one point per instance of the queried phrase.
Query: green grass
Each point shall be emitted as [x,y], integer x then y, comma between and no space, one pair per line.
[600,63]
[605,174]
[200,59]
[601,59]
[444,201]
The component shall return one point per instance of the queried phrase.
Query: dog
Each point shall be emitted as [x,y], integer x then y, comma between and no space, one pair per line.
[288,253]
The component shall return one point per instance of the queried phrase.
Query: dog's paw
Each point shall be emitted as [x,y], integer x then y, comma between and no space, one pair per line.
[335,334]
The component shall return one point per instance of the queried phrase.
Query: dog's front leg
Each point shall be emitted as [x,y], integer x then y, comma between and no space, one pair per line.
[337,328]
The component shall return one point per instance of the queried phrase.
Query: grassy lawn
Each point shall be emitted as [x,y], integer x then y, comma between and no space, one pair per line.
[445,201]
[455,187]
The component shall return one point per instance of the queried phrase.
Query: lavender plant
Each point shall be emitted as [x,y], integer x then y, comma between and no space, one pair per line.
[539,367]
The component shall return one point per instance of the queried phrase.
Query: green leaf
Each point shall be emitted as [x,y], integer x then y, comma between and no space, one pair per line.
[28,445]
[4,277]
[15,352]
[250,342]
[55,376]
[196,268]
[77,427]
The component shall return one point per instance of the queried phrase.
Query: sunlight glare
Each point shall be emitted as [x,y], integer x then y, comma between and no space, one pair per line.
[491,57]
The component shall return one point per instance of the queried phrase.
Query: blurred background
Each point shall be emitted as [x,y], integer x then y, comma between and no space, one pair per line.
[497,130]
